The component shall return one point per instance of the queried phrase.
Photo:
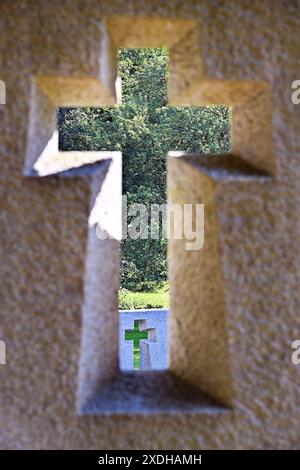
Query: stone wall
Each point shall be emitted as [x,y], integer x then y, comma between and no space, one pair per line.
[253,222]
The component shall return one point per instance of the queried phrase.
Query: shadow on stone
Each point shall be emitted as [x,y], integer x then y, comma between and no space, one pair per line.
[150,393]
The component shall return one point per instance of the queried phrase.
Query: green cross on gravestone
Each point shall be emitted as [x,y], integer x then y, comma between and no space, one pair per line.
[144,128]
[136,335]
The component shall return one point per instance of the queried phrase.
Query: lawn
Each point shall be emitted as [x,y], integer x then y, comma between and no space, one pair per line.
[159,298]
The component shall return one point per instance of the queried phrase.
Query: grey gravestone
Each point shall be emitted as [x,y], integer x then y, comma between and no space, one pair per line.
[154,350]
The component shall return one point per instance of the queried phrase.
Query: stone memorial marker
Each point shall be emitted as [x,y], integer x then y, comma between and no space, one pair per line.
[151,327]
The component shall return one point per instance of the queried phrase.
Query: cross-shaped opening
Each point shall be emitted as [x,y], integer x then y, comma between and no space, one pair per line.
[144,127]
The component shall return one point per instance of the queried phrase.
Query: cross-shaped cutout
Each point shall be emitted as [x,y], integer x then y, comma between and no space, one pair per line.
[144,128]
[137,335]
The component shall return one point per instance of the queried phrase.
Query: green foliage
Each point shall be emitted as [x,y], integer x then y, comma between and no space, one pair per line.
[144,128]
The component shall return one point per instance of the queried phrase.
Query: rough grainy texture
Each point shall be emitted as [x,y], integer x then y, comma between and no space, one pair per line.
[250,104]
[43,237]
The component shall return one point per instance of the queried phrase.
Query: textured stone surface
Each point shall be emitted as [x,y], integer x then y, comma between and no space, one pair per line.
[250,104]
[199,292]
[47,93]
[43,240]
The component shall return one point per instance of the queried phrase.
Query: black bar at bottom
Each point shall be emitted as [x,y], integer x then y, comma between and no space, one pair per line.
[132,459]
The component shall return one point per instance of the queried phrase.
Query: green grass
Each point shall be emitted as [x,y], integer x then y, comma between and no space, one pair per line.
[136,336]
[135,300]
[136,358]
